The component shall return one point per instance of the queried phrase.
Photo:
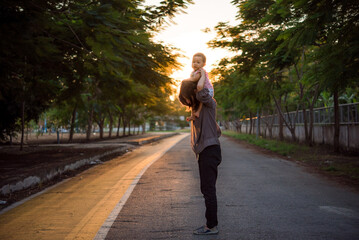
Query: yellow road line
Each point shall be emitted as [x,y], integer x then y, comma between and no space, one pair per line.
[77,208]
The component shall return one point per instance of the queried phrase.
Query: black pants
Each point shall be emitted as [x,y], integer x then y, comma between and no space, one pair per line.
[208,162]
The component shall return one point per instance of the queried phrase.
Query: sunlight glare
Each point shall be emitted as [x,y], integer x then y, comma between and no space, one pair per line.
[187,34]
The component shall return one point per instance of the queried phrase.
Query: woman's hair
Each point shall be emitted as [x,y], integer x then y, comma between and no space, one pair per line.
[187,91]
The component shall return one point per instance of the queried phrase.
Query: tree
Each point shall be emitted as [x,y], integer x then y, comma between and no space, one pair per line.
[90,47]
[27,87]
[300,47]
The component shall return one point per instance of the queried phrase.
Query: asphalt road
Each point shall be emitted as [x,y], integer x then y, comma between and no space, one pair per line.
[259,197]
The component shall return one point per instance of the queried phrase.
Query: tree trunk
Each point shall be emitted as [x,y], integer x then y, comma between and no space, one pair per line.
[58,135]
[89,124]
[270,126]
[270,130]
[129,127]
[311,125]
[280,120]
[246,127]
[237,125]
[22,125]
[251,123]
[290,123]
[27,132]
[118,126]
[111,123]
[336,121]
[124,126]
[73,118]
[305,120]
[101,129]
[144,128]
[292,131]
[101,123]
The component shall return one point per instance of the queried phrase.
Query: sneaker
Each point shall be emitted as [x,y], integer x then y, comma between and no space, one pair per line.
[204,230]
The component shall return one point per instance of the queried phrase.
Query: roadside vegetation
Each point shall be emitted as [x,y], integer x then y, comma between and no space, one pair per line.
[343,167]
[79,64]
[283,148]
[288,56]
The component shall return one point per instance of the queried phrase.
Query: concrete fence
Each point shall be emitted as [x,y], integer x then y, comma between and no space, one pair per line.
[323,129]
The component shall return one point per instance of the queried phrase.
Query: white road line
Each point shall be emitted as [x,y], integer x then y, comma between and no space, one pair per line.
[341,211]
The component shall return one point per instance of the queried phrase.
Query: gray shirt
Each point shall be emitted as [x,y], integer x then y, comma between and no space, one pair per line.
[204,130]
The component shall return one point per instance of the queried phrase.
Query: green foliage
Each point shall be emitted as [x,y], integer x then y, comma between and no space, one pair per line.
[76,56]
[289,52]
[285,149]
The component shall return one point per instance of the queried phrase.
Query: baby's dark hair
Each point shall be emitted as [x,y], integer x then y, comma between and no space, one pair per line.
[187,91]
[201,55]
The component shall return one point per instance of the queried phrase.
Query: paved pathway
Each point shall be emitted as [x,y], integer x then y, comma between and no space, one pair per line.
[76,209]
[259,197]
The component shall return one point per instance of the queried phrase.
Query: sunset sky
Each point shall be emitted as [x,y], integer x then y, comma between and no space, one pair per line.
[187,32]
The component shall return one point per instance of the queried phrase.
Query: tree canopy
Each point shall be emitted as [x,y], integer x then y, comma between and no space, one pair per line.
[94,57]
[291,52]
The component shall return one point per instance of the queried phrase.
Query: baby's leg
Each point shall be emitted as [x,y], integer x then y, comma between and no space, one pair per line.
[192,117]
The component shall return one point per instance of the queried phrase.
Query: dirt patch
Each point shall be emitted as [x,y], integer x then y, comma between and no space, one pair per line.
[15,166]
[35,160]
[341,168]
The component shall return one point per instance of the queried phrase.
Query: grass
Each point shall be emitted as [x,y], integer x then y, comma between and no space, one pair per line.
[343,167]
[178,130]
[184,130]
[283,148]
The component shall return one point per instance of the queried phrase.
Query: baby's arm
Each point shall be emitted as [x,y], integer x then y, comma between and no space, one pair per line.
[192,117]
[200,84]
[194,78]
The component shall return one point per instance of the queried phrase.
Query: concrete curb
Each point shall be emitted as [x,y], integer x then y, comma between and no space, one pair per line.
[151,139]
[50,174]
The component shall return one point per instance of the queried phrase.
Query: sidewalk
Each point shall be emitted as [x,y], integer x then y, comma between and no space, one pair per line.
[77,207]
[23,173]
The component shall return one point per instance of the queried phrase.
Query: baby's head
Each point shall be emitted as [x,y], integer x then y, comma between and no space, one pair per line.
[198,61]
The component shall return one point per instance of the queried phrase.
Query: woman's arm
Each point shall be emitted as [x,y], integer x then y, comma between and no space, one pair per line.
[204,97]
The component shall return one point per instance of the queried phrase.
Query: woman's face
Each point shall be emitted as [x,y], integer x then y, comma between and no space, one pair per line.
[187,100]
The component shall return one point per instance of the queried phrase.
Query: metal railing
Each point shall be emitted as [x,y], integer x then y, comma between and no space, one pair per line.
[348,114]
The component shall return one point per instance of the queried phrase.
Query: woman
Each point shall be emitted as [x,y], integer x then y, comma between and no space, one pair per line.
[205,143]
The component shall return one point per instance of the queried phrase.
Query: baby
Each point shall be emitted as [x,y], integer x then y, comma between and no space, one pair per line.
[201,76]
